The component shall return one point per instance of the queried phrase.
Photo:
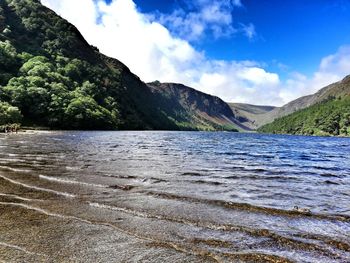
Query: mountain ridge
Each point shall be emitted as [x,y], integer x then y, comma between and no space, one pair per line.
[327,112]
[204,107]
[334,90]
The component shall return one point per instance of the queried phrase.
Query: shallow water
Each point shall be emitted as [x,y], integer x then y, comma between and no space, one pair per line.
[173,197]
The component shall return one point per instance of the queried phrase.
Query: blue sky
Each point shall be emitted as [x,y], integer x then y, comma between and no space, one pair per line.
[254,51]
[296,34]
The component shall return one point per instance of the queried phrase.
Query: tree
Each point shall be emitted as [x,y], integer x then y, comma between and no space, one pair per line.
[9,114]
[30,95]
[8,56]
[37,66]
[85,113]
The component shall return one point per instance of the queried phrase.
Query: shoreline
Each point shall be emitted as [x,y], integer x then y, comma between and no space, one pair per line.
[33,130]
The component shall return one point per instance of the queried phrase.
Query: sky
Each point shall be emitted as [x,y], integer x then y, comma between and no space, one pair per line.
[265,52]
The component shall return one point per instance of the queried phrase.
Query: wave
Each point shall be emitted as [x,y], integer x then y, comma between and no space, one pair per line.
[105,224]
[332,175]
[339,244]
[249,207]
[120,176]
[13,160]
[45,212]
[191,174]
[122,187]
[274,176]
[150,180]
[36,187]
[178,246]
[282,241]
[19,197]
[123,209]
[322,168]
[67,181]
[243,255]
[205,182]
[42,211]
[72,168]
[331,182]
[18,170]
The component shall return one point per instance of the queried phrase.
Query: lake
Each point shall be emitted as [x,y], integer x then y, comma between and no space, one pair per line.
[173,197]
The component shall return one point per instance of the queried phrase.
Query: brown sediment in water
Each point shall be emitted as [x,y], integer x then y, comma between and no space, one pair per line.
[212,242]
[341,245]
[48,214]
[278,240]
[227,257]
[249,207]
[122,187]
[274,238]
[284,242]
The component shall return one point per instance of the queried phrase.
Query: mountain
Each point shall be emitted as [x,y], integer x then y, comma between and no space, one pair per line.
[202,110]
[327,112]
[253,116]
[335,90]
[250,116]
[50,76]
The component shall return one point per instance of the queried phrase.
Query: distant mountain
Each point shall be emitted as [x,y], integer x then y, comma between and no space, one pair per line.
[50,76]
[327,112]
[250,116]
[335,90]
[197,108]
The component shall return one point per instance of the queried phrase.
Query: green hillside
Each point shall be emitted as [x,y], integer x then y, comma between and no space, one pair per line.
[338,89]
[328,118]
[50,76]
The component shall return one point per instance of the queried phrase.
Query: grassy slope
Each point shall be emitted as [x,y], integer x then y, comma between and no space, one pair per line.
[250,116]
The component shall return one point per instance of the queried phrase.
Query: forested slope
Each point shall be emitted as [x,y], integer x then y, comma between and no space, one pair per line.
[325,118]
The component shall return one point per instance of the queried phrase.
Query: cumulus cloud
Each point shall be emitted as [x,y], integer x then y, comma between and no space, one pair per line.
[198,18]
[332,68]
[152,52]
[338,63]
[240,82]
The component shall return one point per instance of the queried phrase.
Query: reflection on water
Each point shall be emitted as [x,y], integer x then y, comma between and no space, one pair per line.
[173,197]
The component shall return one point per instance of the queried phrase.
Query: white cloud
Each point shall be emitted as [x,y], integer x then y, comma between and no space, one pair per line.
[151,51]
[338,63]
[249,30]
[239,82]
[72,10]
[332,68]
[201,17]
[258,76]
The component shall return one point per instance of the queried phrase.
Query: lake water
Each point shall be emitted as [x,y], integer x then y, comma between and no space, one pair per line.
[173,197]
